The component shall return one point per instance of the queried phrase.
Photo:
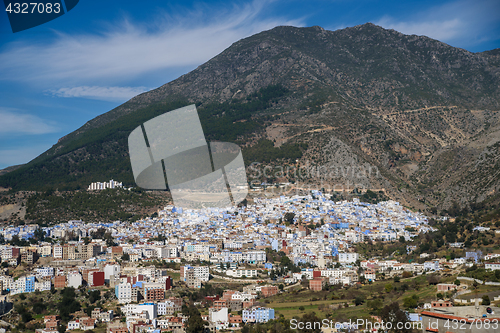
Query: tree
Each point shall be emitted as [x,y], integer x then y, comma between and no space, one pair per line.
[406,274]
[89,309]
[388,288]
[457,282]
[94,296]
[194,324]
[359,300]
[39,234]
[281,287]
[27,317]
[397,279]
[110,241]
[310,318]
[125,257]
[61,328]
[397,317]
[475,284]
[433,279]
[410,302]
[486,300]
[304,282]
[68,304]
[289,217]
[375,304]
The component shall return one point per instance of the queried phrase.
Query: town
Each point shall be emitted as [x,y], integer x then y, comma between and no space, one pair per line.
[219,265]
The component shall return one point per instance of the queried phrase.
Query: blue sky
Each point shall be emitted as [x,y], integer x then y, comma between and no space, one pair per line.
[57,76]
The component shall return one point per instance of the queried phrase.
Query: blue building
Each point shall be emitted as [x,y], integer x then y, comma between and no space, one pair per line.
[268,265]
[476,255]
[257,315]
[30,284]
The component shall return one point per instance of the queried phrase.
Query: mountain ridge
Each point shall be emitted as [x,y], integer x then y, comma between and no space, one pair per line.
[424,113]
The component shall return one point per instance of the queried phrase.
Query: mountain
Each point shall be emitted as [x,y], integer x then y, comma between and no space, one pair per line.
[362,107]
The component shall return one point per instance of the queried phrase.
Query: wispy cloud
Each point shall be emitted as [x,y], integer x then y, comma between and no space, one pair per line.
[461,23]
[126,50]
[441,30]
[20,155]
[100,93]
[14,122]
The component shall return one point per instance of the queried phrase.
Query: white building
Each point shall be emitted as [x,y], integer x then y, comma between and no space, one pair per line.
[124,293]
[43,285]
[45,251]
[58,252]
[250,273]
[254,256]
[492,266]
[348,258]
[44,271]
[7,282]
[135,309]
[74,280]
[102,186]
[431,265]
[73,325]
[220,316]
[202,273]
[111,270]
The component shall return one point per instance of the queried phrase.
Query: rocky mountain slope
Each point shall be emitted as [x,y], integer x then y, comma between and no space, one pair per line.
[362,107]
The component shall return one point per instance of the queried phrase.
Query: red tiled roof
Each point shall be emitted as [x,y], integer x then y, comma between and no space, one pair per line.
[445,316]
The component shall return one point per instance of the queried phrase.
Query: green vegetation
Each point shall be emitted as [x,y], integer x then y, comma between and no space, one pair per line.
[232,121]
[101,153]
[110,205]
[482,274]
[68,304]
[373,197]
[264,151]
[30,309]
[96,154]
[351,303]
[194,324]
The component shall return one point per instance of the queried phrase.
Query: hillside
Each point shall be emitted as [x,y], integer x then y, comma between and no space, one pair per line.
[359,107]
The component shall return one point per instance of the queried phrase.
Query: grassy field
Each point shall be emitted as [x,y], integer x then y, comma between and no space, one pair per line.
[332,303]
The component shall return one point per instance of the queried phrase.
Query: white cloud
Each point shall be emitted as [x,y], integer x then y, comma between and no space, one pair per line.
[128,50]
[440,30]
[100,93]
[15,122]
[461,23]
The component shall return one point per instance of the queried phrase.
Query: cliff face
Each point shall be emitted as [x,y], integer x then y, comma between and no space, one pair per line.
[363,105]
